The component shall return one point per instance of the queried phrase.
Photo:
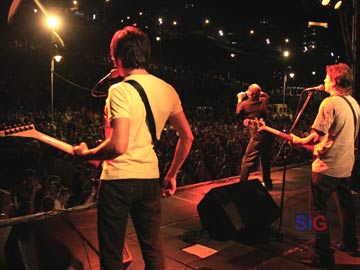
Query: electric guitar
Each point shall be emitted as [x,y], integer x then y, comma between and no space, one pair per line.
[29,131]
[318,148]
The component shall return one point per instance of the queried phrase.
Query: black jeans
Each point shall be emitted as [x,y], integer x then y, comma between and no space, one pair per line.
[322,187]
[140,198]
[260,145]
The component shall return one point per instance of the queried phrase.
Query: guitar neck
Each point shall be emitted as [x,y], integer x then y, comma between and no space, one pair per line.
[286,136]
[63,146]
[29,131]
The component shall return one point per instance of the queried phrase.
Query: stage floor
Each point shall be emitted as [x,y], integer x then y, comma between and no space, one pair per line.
[279,248]
[193,239]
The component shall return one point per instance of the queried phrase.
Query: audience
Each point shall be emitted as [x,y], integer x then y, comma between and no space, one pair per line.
[220,139]
[62,199]
[218,147]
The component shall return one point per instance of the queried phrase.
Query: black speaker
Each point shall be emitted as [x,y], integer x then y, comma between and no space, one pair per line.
[225,211]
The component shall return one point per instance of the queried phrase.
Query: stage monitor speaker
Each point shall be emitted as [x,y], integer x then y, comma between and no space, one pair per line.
[225,211]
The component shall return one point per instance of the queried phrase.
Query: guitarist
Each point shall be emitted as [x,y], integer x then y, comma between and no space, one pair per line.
[130,174]
[252,104]
[337,123]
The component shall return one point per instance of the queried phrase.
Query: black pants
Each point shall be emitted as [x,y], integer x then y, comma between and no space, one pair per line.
[322,187]
[260,145]
[141,198]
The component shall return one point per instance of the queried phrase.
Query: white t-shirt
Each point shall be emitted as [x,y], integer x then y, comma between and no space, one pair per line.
[140,160]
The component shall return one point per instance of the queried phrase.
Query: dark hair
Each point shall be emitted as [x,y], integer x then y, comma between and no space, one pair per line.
[342,75]
[132,46]
[28,172]
[47,204]
[64,190]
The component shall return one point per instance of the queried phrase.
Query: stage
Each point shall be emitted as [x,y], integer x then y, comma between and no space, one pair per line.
[67,239]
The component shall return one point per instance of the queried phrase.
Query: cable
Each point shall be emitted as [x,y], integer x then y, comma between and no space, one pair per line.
[92,91]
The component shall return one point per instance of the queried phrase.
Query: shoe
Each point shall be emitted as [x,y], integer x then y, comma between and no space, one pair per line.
[352,252]
[314,261]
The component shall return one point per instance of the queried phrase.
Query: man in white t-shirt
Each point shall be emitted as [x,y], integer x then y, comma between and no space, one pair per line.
[130,174]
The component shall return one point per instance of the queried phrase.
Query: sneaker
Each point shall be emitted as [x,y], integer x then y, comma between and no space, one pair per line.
[314,261]
[352,252]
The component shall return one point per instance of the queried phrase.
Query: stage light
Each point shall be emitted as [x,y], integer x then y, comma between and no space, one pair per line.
[338,5]
[57,58]
[53,22]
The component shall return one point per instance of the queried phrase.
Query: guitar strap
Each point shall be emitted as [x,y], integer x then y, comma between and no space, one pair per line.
[355,119]
[149,114]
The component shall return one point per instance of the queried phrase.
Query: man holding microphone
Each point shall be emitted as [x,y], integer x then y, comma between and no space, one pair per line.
[252,104]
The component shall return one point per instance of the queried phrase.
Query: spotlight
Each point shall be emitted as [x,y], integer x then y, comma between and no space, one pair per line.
[338,5]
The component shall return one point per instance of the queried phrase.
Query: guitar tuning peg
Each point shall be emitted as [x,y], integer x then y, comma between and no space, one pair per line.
[29,127]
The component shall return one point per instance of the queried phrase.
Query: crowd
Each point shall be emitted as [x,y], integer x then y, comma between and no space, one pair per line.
[220,141]
[208,100]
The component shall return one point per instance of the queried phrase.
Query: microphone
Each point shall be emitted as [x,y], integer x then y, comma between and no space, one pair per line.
[114,73]
[315,88]
[241,96]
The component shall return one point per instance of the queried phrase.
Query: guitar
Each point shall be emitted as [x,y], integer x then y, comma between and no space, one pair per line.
[29,131]
[318,148]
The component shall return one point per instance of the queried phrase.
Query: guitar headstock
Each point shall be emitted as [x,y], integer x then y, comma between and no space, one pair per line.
[259,124]
[27,130]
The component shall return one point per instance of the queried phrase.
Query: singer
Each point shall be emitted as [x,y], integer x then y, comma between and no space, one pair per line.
[130,174]
[253,104]
[337,122]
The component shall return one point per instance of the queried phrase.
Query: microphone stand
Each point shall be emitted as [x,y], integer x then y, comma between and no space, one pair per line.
[285,160]
[107,78]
